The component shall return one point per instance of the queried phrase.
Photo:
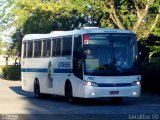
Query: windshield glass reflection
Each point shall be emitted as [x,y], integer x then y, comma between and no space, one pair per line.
[108,54]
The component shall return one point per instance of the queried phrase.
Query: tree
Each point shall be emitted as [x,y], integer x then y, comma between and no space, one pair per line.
[6,17]
[43,16]
[140,16]
[156,30]
[15,47]
[3,46]
[153,41]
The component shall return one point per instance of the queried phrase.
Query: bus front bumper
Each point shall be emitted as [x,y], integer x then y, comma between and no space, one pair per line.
[100,92]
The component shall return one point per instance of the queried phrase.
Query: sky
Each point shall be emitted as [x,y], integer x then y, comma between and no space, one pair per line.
[5,34]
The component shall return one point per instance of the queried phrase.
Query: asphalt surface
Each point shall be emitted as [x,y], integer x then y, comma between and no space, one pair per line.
[20,105]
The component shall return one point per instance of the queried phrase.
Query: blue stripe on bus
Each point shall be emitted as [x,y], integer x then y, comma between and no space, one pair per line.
[62,70]
[44,70]
[114,85]
[34,70]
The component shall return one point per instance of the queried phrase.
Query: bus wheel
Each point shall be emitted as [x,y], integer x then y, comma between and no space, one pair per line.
[37,90]
[116,100]
[69,93]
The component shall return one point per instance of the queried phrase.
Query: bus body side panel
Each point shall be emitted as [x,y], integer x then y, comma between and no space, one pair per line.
[78,86]
[61,71]
[27,82]
[33,68]
[51,73]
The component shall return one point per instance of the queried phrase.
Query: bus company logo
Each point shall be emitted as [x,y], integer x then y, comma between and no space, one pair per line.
[64,65]
[91,78]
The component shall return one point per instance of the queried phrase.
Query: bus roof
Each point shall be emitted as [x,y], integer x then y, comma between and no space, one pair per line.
[84,30]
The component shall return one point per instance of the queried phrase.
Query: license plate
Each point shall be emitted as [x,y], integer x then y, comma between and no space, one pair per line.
[114,92]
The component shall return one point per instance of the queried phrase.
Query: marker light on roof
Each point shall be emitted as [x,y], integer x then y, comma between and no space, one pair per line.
[86,39]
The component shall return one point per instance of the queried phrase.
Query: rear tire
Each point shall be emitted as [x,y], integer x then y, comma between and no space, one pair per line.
[37,90]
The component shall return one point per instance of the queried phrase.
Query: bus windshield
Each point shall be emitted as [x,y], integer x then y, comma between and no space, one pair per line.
[110,54]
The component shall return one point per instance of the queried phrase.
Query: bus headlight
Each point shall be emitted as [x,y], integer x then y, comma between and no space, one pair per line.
[90,83]
[136,83]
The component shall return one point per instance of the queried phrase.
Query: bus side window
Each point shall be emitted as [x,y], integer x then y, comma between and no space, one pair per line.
[77,58]
[29,49]
[46,48]
[66,45]
[58,47]
[53,47]
[24,50]
[37,49]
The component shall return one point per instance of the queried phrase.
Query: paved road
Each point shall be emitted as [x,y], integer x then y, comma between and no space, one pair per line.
[15,101]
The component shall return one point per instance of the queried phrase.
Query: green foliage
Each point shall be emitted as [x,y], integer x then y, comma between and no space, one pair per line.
[126,13]
[153,43]
[11,72]
[154,8]
[3,45]
[156,49]
[122,6]
[43,16]
[15,47]
[5,16]
[142,3]
[156,30]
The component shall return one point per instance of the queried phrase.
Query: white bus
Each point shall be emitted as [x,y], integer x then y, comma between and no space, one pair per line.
[82,63]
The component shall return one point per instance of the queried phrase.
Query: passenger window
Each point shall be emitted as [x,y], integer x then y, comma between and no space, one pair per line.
[29,49]
[46,48]
[37,49]
[58,47]
[66,46]
[53,47]
[24,49]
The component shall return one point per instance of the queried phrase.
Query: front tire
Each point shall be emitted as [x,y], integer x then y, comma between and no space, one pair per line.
[69,93]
